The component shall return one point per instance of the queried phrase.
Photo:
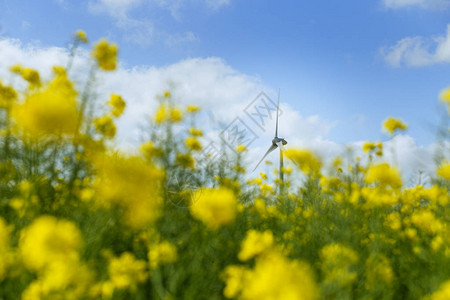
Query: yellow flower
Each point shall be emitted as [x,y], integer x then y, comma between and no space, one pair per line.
[193,143]
[391,125]
[214,207]
[81,36]
[275,277]
[117,104]
[48,240]
[167,94]
[105,126]
[444,170]
[195,131]
[255,243]
[336,263]
[426,220]
[126,271]
[7,96]
[106,55]
[51,111]
[193,109]
[163,253]
[168,113]
[445,98]
[131,183]
[149,150]
[175,115]
[234,277]
[384,175]
[443,292]
[241,148]
[30,75]
[307,161]
[4,248]
[379,272]
[368,146]
[185,160]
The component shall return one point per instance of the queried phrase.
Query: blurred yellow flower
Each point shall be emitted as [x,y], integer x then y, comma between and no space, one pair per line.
[126,272]
[81,36]
[150,150]
[117,104]
[391,125]
[48,240]
[443,292]
[5,253]
[336,263]
[234,277]
[7,96]
[106,55]
[255,243]
[445,98]
[273,277]
[185,160]
[162,253]
[168,113]
[131,183]
[192,109]
[384,175]
[30,75]
[51,111]
[195,131]
[192,143]
[214,207]
[444,170]
[379,272]
[307,161]
[105,126]
[167,94]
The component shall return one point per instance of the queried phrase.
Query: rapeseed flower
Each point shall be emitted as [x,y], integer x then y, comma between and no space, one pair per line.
[5,253]
[274,277]
[443,292]
[47,240]
[131,183]
[192,143]
[255,243]
[391,125]
[126,272]
[337,262]
[379,272]
[444,170]
[51,111]
[105,55]
[105,126]
[162,253]
[81,36]
[384,175]
[117,105]
[168,113]
[7,96]
[30,75]
[215,207]
[445,98]
[307,161]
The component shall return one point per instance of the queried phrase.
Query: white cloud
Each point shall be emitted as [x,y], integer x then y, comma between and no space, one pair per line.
[418,51]
[220,90]
[433,4]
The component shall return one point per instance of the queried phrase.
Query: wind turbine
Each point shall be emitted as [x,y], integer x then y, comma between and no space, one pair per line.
[275,144]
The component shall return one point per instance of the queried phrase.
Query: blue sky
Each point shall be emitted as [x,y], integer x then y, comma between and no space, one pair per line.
[353,63]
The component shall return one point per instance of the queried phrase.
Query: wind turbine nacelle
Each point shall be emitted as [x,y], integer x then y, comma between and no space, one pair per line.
[279,140]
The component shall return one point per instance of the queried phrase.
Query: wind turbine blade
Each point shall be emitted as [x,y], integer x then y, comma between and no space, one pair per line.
[273,147]
[278,105]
